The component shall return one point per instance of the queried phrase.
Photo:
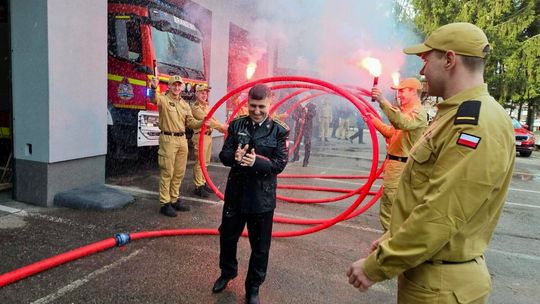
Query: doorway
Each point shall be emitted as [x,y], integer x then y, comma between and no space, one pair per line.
[6,138]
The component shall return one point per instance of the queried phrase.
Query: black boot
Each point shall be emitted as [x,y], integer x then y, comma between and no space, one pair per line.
[168,210]
[221,283]
[178,206]
[199,191]
[207,188]
[252,295]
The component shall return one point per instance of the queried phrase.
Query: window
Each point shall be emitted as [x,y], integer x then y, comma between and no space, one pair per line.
[124,38]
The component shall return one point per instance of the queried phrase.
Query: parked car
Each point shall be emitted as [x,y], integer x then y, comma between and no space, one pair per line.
[525,140]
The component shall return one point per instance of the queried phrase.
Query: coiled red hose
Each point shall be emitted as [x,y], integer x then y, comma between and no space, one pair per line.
[319,224]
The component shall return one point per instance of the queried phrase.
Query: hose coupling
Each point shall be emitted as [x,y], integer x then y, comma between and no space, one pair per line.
[121,239]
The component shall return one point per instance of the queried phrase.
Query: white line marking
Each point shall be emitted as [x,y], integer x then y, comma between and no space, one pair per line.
[522,205]
[155,193]
[80,282]
[363,228]
[523,190]
[54,219]
[516,255]
[137,190]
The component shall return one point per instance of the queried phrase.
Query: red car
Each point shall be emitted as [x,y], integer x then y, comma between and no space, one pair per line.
[525,140]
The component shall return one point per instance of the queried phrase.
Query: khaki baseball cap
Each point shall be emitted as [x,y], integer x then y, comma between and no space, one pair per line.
[461,37]
[175,78]
[411,83]
[202,87]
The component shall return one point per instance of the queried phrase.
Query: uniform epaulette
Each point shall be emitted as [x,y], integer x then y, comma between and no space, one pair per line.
[281,123]
[238,117]
[468,113]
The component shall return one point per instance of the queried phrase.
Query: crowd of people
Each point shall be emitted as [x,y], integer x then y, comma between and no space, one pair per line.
[444,183]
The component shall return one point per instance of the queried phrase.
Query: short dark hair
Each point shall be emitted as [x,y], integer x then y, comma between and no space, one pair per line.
[474,63]
[259,92]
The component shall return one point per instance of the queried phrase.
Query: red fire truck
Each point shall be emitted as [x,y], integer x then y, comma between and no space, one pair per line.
[146,38]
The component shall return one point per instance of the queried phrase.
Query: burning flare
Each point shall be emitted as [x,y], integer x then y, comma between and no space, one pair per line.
[373,65]
[250,70]
[395,78]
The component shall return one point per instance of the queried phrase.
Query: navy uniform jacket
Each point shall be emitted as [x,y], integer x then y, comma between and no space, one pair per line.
[252,190]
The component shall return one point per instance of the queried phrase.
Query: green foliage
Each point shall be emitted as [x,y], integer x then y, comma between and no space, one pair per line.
[512,27]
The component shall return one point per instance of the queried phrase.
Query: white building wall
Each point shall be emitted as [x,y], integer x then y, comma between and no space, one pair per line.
[77,78]
[240,13]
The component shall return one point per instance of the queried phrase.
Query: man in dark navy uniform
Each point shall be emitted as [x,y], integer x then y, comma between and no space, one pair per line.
[256,150]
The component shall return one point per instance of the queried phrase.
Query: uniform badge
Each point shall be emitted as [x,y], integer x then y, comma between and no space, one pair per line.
[468,140]
[171,103]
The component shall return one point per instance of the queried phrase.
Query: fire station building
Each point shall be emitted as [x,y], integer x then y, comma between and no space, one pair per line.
[54,90]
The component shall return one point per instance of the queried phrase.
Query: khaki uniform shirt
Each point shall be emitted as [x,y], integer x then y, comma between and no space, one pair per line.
[452,192]
[174,113]
[407,128]
[326,111]
[199,111]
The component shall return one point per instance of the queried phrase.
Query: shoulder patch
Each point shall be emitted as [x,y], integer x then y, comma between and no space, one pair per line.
[239,117]
[468,113]
[281,123]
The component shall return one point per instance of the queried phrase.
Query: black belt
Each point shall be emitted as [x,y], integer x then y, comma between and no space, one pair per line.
[402,159]
[208,132]
[172,133]
[449,262]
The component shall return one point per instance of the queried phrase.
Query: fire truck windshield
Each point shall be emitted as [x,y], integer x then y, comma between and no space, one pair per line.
[178,53]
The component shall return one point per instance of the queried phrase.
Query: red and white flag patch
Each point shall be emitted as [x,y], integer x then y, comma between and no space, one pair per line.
[468,140]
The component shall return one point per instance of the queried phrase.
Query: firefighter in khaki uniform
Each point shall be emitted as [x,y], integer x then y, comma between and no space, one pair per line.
[325,117]
[408,124]
[200,109]
[454,185]
[174,116]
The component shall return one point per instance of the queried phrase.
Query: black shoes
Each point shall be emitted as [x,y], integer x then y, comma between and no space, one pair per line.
[168,210]
[207,188]
[252,295]
[199,191]
[178,206]
[221,284]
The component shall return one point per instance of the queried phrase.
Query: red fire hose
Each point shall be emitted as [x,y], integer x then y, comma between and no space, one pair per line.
[318,224]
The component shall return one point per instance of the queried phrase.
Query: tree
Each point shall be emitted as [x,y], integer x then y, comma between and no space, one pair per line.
[512,27]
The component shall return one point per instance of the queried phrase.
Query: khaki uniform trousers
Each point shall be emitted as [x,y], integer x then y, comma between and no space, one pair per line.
[172,159]
[392,174]
[324,125]
[198,176]
[465,283]
[343,129]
